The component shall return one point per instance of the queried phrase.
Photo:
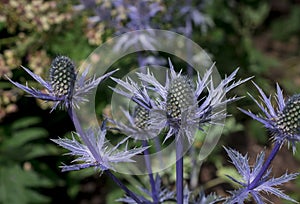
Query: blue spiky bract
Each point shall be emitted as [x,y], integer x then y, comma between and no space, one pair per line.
[249,173]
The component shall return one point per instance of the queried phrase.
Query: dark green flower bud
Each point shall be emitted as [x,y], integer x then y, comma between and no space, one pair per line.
[180,97]
[289,119]
[62,76]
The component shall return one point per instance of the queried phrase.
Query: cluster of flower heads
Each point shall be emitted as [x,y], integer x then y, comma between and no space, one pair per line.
[68,90]
[180,105]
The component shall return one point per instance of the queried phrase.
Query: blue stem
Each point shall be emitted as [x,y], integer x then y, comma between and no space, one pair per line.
[122,186]
[87,142]
[266,165]
[148,166]
[179,171]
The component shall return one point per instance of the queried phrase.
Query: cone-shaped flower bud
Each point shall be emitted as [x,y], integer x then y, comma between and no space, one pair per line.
[180,97]
[141,117]
[289,119]
[62,76]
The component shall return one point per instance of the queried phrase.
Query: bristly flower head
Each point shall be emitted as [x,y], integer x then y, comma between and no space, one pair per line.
[182,107]
[248,173]
[65,87]
[100,154]
[138,123]
[283,120]
[62,76]
[180,97]
[177,105]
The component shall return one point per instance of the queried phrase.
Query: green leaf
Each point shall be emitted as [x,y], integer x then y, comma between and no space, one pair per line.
[14,183]
[25,122]
[40,150]
[65,42]
[21,137]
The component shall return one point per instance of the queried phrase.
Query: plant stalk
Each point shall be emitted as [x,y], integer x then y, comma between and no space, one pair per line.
[179,171]
[148,166]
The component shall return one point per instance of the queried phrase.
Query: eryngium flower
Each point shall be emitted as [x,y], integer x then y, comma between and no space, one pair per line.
[282,119]
[289,119]
[103,156]
[138,124]
[178,107]
[180,97]
[65,88]
[177,104]
[62,76]
[248,173]
[141,117]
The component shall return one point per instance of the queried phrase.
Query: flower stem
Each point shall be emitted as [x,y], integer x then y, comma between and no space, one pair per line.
[123,187]
[266,165]
[83,136]
[179,171]
[148,166]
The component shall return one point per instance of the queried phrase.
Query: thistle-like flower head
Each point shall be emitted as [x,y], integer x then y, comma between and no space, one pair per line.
[248,173]
[141,117]
[177,103]
[138,122]
[65,88]
[182,106]
[137,125]
[281,119]
[62,76]
[180,97]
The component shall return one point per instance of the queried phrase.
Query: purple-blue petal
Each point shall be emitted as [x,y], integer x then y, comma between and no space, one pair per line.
[266,100]
[280,99]
[39,79]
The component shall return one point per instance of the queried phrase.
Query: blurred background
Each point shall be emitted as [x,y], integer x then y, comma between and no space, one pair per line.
[259,36]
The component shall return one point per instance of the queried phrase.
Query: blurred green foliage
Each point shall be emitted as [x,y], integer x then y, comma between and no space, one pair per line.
[258,36]
[18,149]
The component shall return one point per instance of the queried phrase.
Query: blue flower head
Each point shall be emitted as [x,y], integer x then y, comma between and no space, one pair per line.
[281,119]
[177,103]
[65,88]
[137,124]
